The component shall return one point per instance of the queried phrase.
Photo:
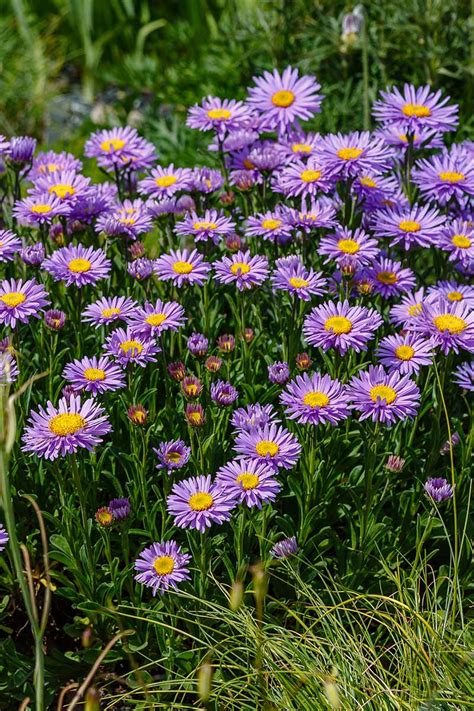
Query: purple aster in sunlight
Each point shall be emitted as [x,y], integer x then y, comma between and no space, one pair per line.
[164,182]
[463,376]
[318,213]
[152,319]
[389,278]
[182,267]
[19,301]
[452,291]
[458,240]
[120,148]
[141,268]
[162,566]
[350,249]
[305,179]
[33,256]
[283,100]
[206,180]
[416,108]
[130,218]
[396,135]
[270,444]
[94,375]
[341,326]
[349,155]
[438,489]
[55,319]
[223,393]
[10,244]
[198,344]
[198,503]
[272,226]
[408,309]
[253,417]
[300,145]
[49,162]
[61,430]
[449,324]
[4,538]
[213,225]
[416,226]
[278,373]
[67,186]
[284,548]
[119,508]
[220,115]
[128,347]
[78,265]
[108,310]
[445,177]
[171,455]
[8,368]
[384,397]
[405,353]
[242,269]
[375,190]
[315,399]
[39,209]
[251,482]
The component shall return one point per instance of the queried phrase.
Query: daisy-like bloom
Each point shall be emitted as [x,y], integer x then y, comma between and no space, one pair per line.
[415,109]
[137,414]
[285,548]
[223,393]
[104,517]
[397,136]
[165,182]
[315,399]
[236,140]
[346,156]
[452,291]
[340,326]
[394,464]
[57,431]
[191,387]
[152,319]
[194,414]
[33,256]
[198,503]
[283,100]
[464,376]
[416,226]
[119,147]
[319,213]
[94,375]
[449,324]
[10,244]
[140,269]
[270,444]
[242,269]
[438,489]
[172,455]
[131,218]
[182,267]
[66,185]
[253,417]
[20,301]
[78,265]
[21,149]
[49,162]
[40,209]
[162,566]
[383,397]
[375,190]
[458,240]
[8,368]
[220,115]
[405,353]
[126,346]
[301,145]
[444,177]
[108,310]
[213,225]
[300,178]
[351,249]
[389,278]
[4,538]
[269,225]
[253,483]
[203,180]
[409,309]
[55,319]
[198,344]
[120,508]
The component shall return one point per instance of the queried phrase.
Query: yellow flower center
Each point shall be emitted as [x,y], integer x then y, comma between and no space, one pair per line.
[301,148]
[202,501]
[66,424]
[14,298]
[265,448]
[450,323]
[112,144]
[417,110]
[62,190]
[219,114]
[155,319]
[404,352]
[384,392]
[134,346]
[248,164]
[451,176]
[283,98]
[409,226]
[182,267]
[248,480]
[164,565]
[94,374]
[338,325]
[173,457]
[349,153]
[240,268]
[348,246]
[316,399]
[166,180]
[203,225]
[195,417]
[271,224]
[105,518]
[368,182]
[191,389]
[298,283]
[309,216]
[455,296]
[41,209]
[461,241]
[310,176]
[387,277]
[113,311]
[127,220]
[79,265]
[415,310]
[49,168]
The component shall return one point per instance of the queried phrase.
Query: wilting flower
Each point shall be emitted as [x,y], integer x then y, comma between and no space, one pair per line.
[213,225]
[303,361]
[389,278]
[270,444]
[94,375]
[449,324]
[394,464]
[220,115]
[194,415]
[176,370]
[10,244]
[104,517]
[349,248]
[278,372]
[213,364]
[55,319]
[340,326]
[438,489]
[226,343]
[243,269]
[120,508]
[416,108]
[172,455]
[21,300]
[165,182]
[315,399]
[251,482]
[383,397]
[294,278]
[4,538]
[464,376]
[108,310]
[182,267]
[223,393]
[198,344]
[78,265]
[191,387]
[405,353]
[285,548]
[137,250]
[151,320]
[137,414]
[198,503]
[346,156]
[162,566]
[126,346]
[415,226]
[57,431]
[253,417]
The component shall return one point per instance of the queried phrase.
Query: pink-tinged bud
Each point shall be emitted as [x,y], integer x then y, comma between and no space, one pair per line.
[176,371]
[233,242]
[394,464]
[195,415]
[303,361]
[226,343]
[137,414]
[213,364]
[104,517]
[249,335]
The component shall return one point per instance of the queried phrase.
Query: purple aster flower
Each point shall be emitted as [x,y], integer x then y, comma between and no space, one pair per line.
[141,268]
[375,190]
[198,344]
[236,140]
[213,225]
[126,346]
[409,309]
[205,180]
[301,145]
[270,444]
[278,373]
[347,156]
[49,162]
[131,218]
[319,213]
[55,319]
[464,376]
[182,267]
[78,265]
[272,226]
[405,353]
[315,399]
[438,489]
[8,368]
[458,240]
[223,393]
[10,244]
[162,566]
[285,548]
[293,277]
[172,455]
[94,375]
[283,100]
[340,326]
[21,150]
[264,157]
[152,319]
[176,370]
[250,481]
[40,209]
[4,538]
[219,115]
[121,148]
[57,431]
[213,364]
[194,414]
[165,182]
[445,177]
[384,397]
[351,249]
[452,442]
[415,109]
[34,255]
[394,464]
[396,135]
[253,417]
[66,185]
[120,509]
[108,310]
[449,324]
[452,291]
[20,300]
[389,278]
[412,226]
[300,178]
[198,503]
[243,269]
